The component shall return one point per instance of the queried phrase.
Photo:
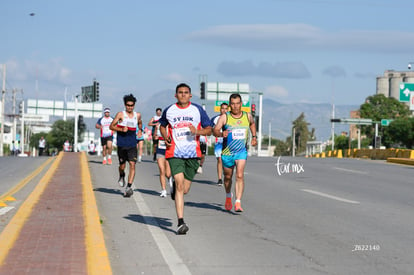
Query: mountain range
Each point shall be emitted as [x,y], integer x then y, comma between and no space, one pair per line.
[279,116]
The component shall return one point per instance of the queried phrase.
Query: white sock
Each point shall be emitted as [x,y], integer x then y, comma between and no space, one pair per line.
[237,200]
[104,158]
[109,156]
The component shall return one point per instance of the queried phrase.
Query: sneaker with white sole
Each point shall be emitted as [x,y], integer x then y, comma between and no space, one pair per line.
[163,193]
[121,181]
[128,192]
[182,229]
[200,170]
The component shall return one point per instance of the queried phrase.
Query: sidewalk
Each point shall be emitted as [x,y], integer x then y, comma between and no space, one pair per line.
[57,230]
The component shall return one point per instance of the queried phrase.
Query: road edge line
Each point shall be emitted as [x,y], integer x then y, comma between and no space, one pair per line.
[96,252]
[26,180]
[12,230]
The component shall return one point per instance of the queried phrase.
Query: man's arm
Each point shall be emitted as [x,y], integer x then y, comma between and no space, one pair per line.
[139,122]
[98,124]
[151,122]
[114,124]
[252,129]
[219,125]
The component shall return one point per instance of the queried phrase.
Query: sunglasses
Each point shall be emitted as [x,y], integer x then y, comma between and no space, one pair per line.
[130,105]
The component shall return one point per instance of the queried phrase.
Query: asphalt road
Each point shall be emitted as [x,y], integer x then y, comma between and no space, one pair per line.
[301,216]
[326,216]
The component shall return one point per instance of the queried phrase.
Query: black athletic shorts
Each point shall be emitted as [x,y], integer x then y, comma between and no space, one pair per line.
[127,154]
[104,140]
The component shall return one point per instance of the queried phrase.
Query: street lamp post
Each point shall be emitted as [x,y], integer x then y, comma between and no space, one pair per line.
[75,145]
[3,96]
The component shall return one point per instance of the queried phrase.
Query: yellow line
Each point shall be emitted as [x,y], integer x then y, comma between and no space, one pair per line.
[97,255]
[25,180]
[13,228]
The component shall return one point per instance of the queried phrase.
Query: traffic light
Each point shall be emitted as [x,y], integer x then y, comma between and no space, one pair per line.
[203,90]
[21,107]
[95,91]
[253,110]
[335,120]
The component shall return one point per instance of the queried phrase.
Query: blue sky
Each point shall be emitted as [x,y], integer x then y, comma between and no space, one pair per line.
[311,51]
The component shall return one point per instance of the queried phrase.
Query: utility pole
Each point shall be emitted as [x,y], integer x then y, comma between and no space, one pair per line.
[22,132]
[3,96]
[259,135]
[14,115]
[75,142]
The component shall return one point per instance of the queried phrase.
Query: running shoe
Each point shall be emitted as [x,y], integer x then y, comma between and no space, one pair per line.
[182,229]
[173,191]
[139,159]
[104,162]
[200,170]
[128,192]
[163,193]
[237,207]
[220,182]
[109,161]
[228,205]
[121,181]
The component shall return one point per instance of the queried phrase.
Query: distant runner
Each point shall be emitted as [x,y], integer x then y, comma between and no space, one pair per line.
[106,135]
[126,123]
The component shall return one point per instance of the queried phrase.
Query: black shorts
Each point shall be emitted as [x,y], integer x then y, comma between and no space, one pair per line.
[104,140]
[203,148]
[127,154]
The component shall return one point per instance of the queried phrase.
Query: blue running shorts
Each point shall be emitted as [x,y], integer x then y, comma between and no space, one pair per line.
[230,161]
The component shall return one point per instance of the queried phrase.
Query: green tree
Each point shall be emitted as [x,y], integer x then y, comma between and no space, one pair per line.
[341,142]
[401,131]
[282,148]
[63,130]
[302,134]
[379,107]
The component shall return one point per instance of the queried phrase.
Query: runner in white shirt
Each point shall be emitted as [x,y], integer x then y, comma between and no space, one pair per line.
[106,135]
[187,121]
[218,146]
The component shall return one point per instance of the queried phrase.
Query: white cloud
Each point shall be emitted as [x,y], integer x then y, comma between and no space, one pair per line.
[275,92]
[51,71]
[175,77]
[264,69]
[303,37]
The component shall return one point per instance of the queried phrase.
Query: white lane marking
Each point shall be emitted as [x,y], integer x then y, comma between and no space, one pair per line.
[330,196]
[351,171]
[170,255]
[6,209]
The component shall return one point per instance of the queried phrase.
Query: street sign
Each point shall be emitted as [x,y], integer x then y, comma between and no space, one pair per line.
[36,117]
[245,106]
[405,89]
[358,121]
[386,122]
[412,101]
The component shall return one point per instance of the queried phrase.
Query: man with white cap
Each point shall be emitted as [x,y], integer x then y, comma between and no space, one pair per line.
[106,135]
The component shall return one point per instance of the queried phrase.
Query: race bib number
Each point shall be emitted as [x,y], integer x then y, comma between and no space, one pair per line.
[239,134]
[182,133]
[161,144]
